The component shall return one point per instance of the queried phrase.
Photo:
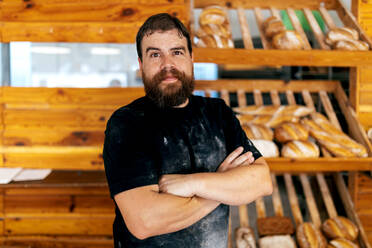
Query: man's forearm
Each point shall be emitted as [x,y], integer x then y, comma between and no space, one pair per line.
[237,186]
[160,213]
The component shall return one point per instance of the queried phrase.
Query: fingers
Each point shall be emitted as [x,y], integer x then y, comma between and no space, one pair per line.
[246,157]
[232,156]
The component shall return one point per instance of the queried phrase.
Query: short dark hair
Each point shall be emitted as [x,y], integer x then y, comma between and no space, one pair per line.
[162,22]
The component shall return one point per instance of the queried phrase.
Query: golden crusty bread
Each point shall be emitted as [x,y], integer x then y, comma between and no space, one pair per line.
[244,238]
[288,40]
[289,131]
[300,149]
[267,148]
[290,110]
[338,34]
[351,45]
[257,131]
[213,15]
[310,237]
[340,227]
[214,29]
[214,41]
[273,26]
[267,120]
[333,139]
[342,243]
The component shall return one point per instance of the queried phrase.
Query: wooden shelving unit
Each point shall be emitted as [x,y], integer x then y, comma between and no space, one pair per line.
[318,54]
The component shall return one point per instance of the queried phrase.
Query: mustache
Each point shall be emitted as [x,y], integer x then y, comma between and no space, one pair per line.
[162,75]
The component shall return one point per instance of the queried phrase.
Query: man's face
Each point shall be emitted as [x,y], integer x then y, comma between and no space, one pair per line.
[167,68]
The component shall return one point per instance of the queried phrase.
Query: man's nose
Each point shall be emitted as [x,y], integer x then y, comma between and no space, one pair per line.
[167,62]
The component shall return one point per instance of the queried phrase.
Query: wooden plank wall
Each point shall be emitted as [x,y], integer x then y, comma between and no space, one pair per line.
[361,98]
[361,77]
[58,128]
[106,21]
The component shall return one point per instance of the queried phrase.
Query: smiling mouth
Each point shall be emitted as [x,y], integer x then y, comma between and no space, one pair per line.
[170,80]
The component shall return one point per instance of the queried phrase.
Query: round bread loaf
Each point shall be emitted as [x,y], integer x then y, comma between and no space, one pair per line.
[267,148]
[310,237]
[340,227]
[337,34]
[351,45]
[289,131]
[342,243]
[288,40]
[273,28]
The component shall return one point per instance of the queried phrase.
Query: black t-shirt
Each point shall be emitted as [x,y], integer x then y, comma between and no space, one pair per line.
[144,142]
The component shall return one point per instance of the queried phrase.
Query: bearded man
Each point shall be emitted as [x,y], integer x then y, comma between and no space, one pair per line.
[175,162]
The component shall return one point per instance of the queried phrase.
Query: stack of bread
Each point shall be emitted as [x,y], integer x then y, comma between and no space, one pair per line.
[275,232]
[214,28]
[345,39]
[281,38]
[334,140]
[295,132]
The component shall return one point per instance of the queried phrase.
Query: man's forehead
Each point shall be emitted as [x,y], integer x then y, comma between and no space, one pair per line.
[160,34]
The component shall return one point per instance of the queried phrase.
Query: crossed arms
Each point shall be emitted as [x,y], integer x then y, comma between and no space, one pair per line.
[179,201]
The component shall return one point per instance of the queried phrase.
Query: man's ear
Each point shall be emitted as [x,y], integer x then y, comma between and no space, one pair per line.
[140,64]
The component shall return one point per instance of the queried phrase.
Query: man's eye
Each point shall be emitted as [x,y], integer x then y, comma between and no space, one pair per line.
[178,53]
[154,55]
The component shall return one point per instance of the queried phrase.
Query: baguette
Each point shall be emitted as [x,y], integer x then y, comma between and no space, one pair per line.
[337,34]
[300,149]
[266,120]
[256,131]
[310,237]
[340,227]
[351,45]
[244,238]
[342,243]
[291,110]
[289,131]
[337,142]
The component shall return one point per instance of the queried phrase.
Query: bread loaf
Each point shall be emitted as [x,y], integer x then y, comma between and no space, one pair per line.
[267,120]
[338,34]
[213,15]
[267,148]
[342,243]
[272,26]
[274,226]
[277,241]
[300,149]
[345,39]
[351,45]
[333,139]
[290,110]
[310,237]
[214,41]
[257,131]
[340,227]
[288,40]
[289,131]
[244,238]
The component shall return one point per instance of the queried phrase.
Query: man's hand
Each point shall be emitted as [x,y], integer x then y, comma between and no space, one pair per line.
[236,159]
[178,184]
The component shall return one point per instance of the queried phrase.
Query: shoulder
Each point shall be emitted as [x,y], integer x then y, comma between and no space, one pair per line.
[128,115]
[208,102]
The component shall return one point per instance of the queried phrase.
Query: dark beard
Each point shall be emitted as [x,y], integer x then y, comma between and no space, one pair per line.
[172,95]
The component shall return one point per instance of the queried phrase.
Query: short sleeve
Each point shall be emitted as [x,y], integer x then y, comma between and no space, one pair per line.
[127,164]
[235,136]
